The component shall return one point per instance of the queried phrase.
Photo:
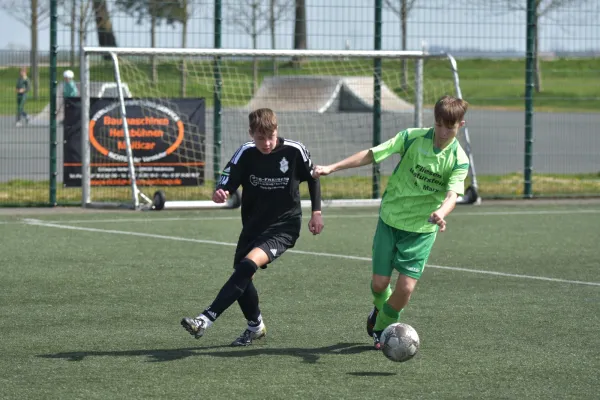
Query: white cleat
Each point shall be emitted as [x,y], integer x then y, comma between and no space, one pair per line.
[195,326]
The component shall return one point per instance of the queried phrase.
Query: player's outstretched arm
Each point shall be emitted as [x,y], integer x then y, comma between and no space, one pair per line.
[438,217]
[359,159]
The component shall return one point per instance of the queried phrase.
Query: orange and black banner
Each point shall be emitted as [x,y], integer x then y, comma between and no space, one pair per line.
[167,139]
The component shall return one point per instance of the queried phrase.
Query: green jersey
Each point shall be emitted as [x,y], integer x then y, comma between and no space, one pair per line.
[421,179]
[70,89]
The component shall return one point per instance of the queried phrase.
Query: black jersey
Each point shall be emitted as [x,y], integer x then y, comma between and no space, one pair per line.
[270,183]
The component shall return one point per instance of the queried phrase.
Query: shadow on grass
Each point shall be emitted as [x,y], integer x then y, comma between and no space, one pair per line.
[368,374]
[308,355]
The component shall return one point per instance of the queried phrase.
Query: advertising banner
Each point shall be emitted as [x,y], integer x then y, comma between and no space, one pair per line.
[167,139]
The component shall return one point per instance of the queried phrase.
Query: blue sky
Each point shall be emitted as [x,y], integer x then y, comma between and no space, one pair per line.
[333,24]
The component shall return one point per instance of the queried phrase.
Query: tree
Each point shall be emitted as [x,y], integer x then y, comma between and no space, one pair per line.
[31,15]
[542,9]
[183,16]
[106,36]
[300,41]
[254,17]
[76,15]
[181,11]
[157,11]
[402,8]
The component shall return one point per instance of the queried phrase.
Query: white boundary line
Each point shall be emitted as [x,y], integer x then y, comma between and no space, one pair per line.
[334,216]
[36,222]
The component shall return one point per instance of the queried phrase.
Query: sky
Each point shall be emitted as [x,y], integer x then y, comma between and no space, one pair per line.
[339,24]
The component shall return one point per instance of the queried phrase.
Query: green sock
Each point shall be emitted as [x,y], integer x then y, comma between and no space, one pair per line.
[379,299]
[386,317]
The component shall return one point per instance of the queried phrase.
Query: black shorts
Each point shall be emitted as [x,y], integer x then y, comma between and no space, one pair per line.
[274,242]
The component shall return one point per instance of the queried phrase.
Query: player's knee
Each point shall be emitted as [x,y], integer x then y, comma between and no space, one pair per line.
[246,268]
[380,283]
[405,285]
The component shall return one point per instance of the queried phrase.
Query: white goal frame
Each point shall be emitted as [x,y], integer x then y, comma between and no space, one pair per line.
[141,201]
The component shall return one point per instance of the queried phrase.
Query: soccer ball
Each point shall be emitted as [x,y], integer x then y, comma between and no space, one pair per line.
[400,342]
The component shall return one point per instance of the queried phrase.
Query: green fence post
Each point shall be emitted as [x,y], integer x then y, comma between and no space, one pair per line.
[53,144]
[217,97]
[529,86]
[377,98]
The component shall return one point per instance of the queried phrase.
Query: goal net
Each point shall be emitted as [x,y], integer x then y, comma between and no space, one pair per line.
[186,112]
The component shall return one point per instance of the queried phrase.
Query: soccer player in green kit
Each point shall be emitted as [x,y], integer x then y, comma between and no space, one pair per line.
[421,192]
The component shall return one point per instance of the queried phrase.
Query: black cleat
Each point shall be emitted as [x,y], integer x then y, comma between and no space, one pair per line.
[371,319]
[246,338]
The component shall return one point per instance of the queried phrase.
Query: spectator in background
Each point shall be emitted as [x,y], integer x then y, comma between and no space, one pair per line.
[69,87]
[21,89]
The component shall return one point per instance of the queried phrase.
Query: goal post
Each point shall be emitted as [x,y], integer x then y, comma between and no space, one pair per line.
[163,142]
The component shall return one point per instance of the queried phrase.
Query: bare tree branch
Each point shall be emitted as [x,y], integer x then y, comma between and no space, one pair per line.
[253,16]
[21,10]
[542,9]
[395,6]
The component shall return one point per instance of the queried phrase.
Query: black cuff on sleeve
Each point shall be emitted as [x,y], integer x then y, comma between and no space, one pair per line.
[314,188]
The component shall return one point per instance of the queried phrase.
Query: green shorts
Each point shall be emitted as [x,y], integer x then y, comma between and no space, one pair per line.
[407,252]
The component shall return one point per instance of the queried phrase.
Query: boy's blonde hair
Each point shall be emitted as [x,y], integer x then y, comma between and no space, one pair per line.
[450,110]
[262,121]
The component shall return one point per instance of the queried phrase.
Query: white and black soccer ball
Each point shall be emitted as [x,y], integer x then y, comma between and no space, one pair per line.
[400,342]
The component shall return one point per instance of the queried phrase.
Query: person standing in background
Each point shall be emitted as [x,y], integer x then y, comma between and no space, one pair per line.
[21,89]
[69,86]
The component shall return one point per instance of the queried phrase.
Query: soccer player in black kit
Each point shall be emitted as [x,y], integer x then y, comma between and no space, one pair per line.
[269,169]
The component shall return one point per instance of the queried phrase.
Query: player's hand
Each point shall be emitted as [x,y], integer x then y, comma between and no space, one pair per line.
[315,225]
[321,170]
[220,196]
[438,219]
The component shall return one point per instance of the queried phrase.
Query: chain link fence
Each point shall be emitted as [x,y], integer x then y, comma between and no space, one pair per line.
[487,37]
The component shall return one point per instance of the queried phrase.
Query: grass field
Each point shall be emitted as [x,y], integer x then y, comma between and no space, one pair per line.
[29,193]
[508,308]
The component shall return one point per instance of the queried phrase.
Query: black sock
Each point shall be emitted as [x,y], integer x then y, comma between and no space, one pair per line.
[248,302]
[232,289]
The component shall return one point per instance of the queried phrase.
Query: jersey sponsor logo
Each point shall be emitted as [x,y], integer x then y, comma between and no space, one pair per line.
[274,252]
[283,165]
[429,180]
[413,269]
[269,183]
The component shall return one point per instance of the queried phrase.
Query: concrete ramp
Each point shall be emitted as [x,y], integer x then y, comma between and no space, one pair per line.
[324,94]
[358,94]
[97,89]
[297,93]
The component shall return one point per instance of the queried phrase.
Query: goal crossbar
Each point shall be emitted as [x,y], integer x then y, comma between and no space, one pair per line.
[264,52]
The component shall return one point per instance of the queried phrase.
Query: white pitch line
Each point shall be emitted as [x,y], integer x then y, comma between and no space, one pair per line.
[167,219]
[37,222]
[530,212]
[326,216]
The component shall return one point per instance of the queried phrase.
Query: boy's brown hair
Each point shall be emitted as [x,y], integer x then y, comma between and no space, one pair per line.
[450,110]
[262,121]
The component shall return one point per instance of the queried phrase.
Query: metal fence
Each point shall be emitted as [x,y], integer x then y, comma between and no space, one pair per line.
[488,38]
